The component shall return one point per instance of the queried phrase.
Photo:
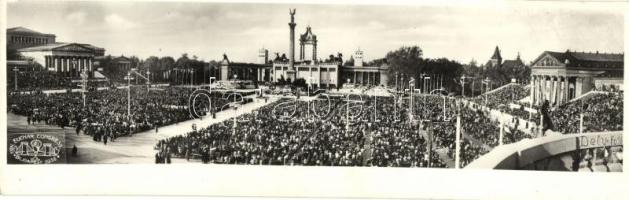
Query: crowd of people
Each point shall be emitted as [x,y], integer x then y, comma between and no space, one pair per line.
[105,114]
[39,80]
[505,95]
[382,135]
[269,137]
[601,111]
[46,80]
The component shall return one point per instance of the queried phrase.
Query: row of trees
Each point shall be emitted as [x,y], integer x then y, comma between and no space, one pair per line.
[166,69]
[408,62]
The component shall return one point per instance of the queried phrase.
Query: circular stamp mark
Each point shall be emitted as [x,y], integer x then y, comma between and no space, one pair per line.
[35,148]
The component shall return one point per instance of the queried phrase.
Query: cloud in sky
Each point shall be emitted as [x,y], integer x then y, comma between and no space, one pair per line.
[117,22]
[77,18]
[208,30]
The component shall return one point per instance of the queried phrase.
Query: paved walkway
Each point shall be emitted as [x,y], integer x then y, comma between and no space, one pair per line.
[477,142]
[443,155]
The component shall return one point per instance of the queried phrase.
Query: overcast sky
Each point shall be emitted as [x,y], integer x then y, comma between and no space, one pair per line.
[208,30]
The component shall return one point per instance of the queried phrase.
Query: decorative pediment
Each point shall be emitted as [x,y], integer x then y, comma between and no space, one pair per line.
[73,48]
[547,60]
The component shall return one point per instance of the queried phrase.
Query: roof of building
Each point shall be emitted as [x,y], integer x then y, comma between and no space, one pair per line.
[496,54]
[51,46]
[91,46]
[242,64]
[26,31]
[512,63]
[308,35]
[587,59]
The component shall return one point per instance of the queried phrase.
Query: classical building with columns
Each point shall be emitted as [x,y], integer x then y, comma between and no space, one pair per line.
[20,37]
[561,76]
[41,49]
[257,72]
[361,74]
[68,58]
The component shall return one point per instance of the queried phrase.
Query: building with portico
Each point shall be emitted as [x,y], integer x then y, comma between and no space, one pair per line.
[327,73]
[42,50]
[20,37]
[360,73]
[67,58]
[561,76]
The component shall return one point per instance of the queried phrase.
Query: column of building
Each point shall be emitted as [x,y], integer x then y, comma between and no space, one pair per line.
[566,86]
[314,52]
[542,89]
[354,80]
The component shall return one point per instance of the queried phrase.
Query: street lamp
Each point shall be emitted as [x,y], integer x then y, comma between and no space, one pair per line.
[457,144]
[411,84]
[148,80]
[308,97]
[444,100]
[486,82]
[15,70]
[396,88]
[463,86]
[191,72]
[129,95]
[427,78]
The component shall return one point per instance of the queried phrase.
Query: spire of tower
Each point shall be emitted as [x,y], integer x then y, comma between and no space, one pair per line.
[496,54]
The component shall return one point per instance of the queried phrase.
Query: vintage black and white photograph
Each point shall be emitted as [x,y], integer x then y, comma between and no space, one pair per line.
[265,98]
[491,87]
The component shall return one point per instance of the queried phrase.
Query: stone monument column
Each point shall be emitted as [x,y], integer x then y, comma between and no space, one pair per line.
[291,54]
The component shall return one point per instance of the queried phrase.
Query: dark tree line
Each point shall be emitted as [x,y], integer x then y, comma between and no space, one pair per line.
[408,62]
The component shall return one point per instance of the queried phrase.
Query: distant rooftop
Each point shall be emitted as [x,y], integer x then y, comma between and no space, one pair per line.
[50,46]
[22,30]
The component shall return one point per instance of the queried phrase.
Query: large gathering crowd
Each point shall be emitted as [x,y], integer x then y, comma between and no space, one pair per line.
[268,138]
[38,80]
[105,114]
[341,131]
[377,136]
[601,112]
[46,80]
[501,99]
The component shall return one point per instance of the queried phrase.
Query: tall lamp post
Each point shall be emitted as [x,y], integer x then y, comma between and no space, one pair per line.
[15,70]
[485,84]
[396,88]
[308,98]
[211,78]
[457,148]
[129,95]
[411,84]
[148,80]
[444,100]
[463,85]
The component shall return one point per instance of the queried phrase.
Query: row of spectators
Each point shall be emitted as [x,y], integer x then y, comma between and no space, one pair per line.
[39,80]
[105,113]
[507,94]
[47,80]
[388,141]
[602,112]
[268,139]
